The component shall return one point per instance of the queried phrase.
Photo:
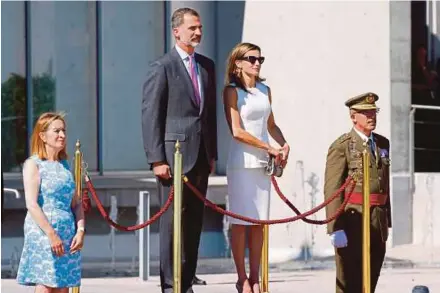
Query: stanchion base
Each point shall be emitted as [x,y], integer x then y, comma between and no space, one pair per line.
[420,289]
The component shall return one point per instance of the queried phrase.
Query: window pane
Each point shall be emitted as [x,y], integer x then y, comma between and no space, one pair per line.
[63,52]
[13,63]
[132,37]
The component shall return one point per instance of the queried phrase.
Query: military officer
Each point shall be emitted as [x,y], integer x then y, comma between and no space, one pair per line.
[345,158]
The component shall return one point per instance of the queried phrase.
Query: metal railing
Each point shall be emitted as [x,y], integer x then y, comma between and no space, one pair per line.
[144,236]
[412,121]
[14,191]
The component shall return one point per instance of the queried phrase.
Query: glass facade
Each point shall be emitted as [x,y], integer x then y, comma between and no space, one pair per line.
[87,59]
[63,62]
[128,43]
[13,88]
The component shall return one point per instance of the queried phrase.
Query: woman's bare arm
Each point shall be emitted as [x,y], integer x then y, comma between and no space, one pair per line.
[31,182]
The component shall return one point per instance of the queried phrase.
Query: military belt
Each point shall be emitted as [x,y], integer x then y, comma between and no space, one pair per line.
[376,199]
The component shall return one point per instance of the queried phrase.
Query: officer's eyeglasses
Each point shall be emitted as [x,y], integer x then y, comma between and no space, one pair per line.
[253,59]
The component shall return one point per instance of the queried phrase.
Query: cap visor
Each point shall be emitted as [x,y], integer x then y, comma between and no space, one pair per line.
[364,107]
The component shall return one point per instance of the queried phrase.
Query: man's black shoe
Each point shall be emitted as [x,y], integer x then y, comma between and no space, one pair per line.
[197,281]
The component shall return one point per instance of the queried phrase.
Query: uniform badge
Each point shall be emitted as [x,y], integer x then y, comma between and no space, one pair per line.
[383,153]
[352,146]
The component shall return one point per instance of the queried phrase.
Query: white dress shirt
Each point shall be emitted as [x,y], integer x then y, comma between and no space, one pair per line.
[366,138]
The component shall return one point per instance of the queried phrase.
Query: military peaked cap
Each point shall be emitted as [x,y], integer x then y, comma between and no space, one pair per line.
[365,101]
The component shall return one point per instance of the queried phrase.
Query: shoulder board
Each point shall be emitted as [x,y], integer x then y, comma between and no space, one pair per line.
[344,137]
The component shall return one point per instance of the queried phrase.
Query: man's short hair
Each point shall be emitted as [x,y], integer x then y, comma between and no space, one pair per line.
[177,18]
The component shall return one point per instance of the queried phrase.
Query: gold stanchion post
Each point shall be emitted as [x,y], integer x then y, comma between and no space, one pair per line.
[265,261]
[366,269]
[177,231]
[78,183]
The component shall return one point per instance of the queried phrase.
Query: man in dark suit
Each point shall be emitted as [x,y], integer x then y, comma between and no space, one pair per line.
[179,103]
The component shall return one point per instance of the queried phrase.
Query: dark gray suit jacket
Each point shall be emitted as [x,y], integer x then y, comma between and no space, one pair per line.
[169,112]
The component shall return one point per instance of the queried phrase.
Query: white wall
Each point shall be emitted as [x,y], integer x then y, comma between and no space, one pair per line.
[318,54]
[426,210]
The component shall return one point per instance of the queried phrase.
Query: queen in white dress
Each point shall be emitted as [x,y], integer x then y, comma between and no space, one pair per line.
[247,103]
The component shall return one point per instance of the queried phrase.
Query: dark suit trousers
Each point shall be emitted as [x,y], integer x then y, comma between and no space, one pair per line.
[349,259]
[192,220]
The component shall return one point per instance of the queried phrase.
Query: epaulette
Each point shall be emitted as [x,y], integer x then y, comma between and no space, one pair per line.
[344,137]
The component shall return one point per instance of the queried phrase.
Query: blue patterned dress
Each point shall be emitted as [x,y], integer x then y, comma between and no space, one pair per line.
[38,264]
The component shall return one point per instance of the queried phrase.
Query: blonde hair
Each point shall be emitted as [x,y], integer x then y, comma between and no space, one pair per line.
[37,144]
[233,73]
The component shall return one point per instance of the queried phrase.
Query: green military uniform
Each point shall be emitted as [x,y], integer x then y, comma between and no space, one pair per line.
[345,158]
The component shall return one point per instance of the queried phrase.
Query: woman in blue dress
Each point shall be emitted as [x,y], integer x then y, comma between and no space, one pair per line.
[54,225]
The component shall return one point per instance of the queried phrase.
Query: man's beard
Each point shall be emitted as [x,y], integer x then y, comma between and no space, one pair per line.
[194,44]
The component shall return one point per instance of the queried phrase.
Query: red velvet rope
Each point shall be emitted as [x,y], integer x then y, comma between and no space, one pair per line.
[85,200]
[278,221]
[91,189]
[338,212]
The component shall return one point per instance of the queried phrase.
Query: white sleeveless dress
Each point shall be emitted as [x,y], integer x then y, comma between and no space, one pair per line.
[248,186]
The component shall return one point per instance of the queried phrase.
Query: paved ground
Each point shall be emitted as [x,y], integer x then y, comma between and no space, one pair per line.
[404,268]
[392,281]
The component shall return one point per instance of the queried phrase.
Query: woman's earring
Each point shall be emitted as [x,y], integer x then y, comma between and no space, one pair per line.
[238,71]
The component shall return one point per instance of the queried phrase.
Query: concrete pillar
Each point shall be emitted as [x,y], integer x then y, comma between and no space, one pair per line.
[400,96]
